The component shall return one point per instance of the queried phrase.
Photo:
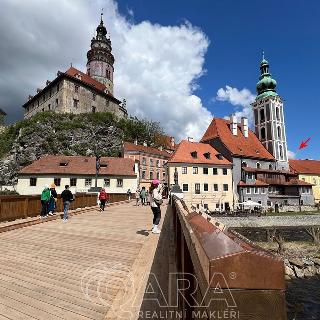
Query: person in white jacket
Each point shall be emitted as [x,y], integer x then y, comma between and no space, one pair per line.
[156,201]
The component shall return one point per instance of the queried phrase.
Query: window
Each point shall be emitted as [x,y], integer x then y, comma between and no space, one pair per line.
[106,182]
[248,190]
[195,170]
[205,206]
[197,188]
[244,164]
[207,155]
[94,97]
[94,109]
[224,171]
[205,170]
[158,175]
[250,175]
[194,154]
[144,161]
[285,202]
[256,190]
[280,152]
[259,202]
[215,171]
[75,103]
[88,182]
[119,183]
[57,102]
[50,93]
[49,106]
[163,175]
[258,165]
[151,162]
[215,187]
[185,187]
[279,133]
[58,87]
[262,117]
[143,174]
[33,182]
[151,175]
[269,203]
[270,167]
[263,190]
[227,206]
[225,187]
[205,187]
[158,163]
[57,181]
[73,182]
[249,199]
[277,113]
[263,133]
[184,170]
[217,205]
[76,88]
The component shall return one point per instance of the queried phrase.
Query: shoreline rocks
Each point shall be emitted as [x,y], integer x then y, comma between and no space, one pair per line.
[303,267]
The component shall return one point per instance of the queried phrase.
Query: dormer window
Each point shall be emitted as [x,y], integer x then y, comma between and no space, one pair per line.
[207,155]
[78,76]
[219,156]
[194,154]
[63,163]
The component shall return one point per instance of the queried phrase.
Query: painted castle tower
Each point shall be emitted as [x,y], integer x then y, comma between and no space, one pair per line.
[100,59]
[269,117]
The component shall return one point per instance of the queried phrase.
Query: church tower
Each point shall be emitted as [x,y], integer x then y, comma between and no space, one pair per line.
[269,117]
[100,59]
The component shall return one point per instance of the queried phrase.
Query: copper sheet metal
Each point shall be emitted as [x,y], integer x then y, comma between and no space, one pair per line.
[244,266]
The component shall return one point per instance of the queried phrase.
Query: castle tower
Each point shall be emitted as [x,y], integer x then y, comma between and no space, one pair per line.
[269,117]
[100,59]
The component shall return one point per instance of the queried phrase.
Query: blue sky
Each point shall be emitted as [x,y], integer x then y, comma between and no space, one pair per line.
[288,32]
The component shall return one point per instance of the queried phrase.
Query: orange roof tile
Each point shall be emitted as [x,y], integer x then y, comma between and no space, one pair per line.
[257,183]
[239,145]
[185,148]
[87,79]
[128,146]
[305,166]
[79,165]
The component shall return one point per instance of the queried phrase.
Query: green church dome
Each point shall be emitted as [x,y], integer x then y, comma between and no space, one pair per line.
[266,85]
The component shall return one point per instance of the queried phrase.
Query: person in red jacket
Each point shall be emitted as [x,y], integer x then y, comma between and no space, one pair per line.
[103,197]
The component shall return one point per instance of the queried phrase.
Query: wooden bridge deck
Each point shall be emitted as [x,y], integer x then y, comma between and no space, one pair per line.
[83,269]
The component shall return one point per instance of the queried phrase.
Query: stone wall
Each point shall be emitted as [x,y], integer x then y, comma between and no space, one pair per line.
[296,208]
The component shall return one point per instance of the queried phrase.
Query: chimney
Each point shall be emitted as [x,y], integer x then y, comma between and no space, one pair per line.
[244,125]
[136,141]
[48,82]
[145,143]
[172,142]
[233,124]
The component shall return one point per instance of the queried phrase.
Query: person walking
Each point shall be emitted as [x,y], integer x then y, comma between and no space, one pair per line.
[137,195]
[129,194]
[143,195]
[103,197]
[67,198]
[53,199]
[156,201]
[45,198]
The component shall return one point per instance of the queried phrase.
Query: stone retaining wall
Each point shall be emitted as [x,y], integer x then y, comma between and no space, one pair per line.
[297,208]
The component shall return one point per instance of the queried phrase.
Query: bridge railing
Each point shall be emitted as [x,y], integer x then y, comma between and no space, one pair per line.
[222,275]
[19,207]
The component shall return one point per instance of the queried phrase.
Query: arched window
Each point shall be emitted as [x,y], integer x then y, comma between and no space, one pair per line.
[263,133]
[280,151]
[277,113]
[279,133]
[262,117]
[258,165]
[244,164]
[270,167]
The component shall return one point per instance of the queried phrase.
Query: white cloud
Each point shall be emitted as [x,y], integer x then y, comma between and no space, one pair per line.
[238,98]
[156,67]
[291,155]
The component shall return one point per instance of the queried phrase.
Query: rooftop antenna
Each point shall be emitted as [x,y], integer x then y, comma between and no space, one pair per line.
[101,14]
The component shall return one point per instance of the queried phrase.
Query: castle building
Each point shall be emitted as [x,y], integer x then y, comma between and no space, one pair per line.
[76,92]
[269,117]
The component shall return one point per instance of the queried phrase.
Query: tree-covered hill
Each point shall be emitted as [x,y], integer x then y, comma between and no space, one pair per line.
[68,134]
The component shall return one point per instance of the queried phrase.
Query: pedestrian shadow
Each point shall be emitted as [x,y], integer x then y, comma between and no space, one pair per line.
[143,232]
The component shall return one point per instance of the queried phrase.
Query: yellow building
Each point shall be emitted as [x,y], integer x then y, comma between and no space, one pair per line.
[309,171]
[204,176]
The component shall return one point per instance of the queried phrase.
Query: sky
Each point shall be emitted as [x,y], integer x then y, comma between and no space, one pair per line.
[177,62]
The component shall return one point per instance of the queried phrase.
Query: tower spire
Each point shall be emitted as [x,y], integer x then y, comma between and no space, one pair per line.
[101,20]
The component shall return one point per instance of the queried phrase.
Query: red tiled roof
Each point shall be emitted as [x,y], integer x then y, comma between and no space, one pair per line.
[79,165]
[249,169]
[305,166]
[183,154]
[128,146]
[294,182]
[258,183]
[86,79]
[239,145]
